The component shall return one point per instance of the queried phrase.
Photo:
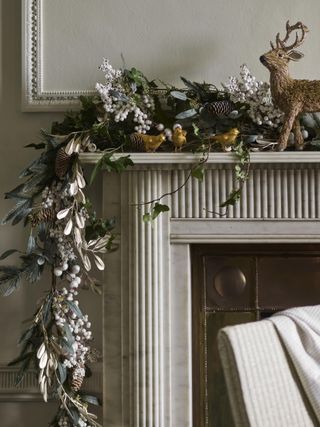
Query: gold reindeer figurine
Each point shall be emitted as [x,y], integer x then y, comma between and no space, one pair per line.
[291,96]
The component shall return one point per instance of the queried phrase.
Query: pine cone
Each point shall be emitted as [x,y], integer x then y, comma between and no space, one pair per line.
[219,108]
[78,375]
[43,215]
[137,143]
[62,163]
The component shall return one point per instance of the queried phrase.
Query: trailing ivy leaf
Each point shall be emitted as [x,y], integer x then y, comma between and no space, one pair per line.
[196,129]
[186,114]
[156,211]
[179,95]
[7,253]
[198,172]
[108,164]
[232,199]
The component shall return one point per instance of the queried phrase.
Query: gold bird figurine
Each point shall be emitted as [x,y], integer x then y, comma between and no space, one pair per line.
[226,139]
[179,138]
[148,143]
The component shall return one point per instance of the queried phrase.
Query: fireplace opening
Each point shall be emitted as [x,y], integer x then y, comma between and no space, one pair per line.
[233,284]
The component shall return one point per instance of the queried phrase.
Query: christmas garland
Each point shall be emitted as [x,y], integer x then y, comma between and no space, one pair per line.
[129,113]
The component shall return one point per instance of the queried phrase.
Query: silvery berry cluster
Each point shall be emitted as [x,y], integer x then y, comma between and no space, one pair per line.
[79,326]
[120,102]
[257,95]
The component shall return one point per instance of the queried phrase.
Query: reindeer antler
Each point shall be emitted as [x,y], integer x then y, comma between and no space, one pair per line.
[282,43]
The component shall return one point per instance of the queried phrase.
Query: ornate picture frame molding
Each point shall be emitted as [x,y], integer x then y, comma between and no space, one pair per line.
[34,96]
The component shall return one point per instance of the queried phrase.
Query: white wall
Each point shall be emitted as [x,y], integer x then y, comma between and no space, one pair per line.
[203,39]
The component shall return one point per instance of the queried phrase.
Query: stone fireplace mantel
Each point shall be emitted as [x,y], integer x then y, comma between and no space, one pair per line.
[147,295]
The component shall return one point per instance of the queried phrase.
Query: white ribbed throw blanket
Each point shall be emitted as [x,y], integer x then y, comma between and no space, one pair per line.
[299,330]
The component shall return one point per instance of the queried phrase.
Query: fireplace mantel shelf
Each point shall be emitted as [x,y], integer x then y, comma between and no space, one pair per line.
[214,158]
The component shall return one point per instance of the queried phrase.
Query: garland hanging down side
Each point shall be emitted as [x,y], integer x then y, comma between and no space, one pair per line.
[129,113]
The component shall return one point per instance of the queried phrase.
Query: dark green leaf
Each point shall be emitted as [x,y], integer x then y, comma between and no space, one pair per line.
[24,366]
[8,253]
[36,146]
[62,372]
[21,210]
[20,358]
[156,211]
[26,335]
[47,311]
[10,277]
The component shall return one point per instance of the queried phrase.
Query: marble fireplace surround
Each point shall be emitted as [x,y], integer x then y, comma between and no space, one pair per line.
[147,296]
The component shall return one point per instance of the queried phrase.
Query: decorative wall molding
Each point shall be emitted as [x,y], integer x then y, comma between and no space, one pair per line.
[147,299]
[28,389]
[34,97]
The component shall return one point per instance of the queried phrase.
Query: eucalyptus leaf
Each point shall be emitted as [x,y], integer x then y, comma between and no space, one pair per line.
[75,309]
[186,114]
[179,95]
[68,334]
[91,399]
[31,244]
[311,120]
[62,370]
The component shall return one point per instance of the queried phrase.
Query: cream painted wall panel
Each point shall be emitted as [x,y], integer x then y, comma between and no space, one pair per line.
[205,39]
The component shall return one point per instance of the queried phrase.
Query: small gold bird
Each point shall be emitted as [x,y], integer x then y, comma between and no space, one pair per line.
[226,139]
[150,142]
[179,138]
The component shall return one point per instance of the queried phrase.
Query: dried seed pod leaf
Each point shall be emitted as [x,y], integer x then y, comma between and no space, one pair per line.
[99,263]
[69,148]
[68,227]
[80,220]
[43,360]
[41,350]
[63,213]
